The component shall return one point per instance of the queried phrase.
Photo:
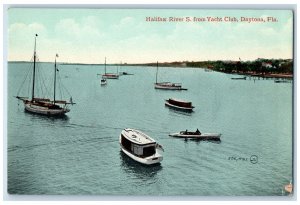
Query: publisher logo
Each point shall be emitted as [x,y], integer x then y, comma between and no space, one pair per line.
[253,159]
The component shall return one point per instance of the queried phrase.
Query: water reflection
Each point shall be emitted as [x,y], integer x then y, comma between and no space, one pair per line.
[198,141]
[180,111]
[138,169]
[34,116]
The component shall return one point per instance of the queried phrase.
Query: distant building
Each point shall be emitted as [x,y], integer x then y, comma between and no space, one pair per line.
[267,65]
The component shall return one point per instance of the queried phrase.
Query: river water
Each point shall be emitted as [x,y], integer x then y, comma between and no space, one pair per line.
[80,153]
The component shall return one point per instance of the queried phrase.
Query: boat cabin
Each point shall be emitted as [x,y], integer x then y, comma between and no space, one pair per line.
[141,147]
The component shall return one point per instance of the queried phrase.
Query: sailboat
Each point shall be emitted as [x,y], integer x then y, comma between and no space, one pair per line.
[167,85]
[40,105]
[109,75]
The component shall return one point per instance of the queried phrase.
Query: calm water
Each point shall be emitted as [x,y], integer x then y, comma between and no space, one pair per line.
[80,153]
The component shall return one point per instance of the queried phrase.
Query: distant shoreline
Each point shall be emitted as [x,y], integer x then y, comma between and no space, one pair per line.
[264,68]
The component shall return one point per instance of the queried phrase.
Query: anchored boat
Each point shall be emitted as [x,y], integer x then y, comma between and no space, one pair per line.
[103,81]
[239,78]
[167,85]
[43,105]
[140,147]
[196,135]
[179,104]
[109,75]
[282,81]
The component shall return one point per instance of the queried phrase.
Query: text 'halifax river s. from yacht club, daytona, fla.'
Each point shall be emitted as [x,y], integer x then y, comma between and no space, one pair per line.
[212,19]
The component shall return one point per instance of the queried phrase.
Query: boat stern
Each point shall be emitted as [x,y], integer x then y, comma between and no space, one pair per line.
[157,158]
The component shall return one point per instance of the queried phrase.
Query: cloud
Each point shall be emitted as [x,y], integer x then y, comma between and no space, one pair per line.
[68,27]
[130,38]
[27,28]
[85,31]
[127,21]
[21,39]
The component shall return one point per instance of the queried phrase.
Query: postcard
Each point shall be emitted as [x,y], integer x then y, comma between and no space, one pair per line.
[150,102]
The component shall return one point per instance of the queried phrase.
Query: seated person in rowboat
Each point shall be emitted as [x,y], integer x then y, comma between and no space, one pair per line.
[198,132]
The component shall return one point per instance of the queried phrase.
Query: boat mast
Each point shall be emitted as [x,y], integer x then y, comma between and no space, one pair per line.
[105,66]
[156,71]
[34,60]
[55,69]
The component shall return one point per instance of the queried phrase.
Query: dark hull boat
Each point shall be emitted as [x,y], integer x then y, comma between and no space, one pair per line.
[179,104]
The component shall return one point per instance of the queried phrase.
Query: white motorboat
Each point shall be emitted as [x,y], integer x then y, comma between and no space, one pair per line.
[196,135]
[179,104]
[42,105]
[140,147]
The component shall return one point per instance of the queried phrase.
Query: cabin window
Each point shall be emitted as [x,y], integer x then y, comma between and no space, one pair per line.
[125,143]
[137,150]
[148,151]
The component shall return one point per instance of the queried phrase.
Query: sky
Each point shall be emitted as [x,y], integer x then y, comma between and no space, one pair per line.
[124,35]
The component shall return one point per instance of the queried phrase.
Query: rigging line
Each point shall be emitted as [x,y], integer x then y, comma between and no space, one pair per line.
[43,92]
[69,94]
[48,83]
[30,78]
[22,84]
[29,84]
[37,80]
[43,80]
[28,68]
[65,89]
[59,95]
[60,90]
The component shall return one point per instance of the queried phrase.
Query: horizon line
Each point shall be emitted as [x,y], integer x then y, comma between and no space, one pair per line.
[22,61]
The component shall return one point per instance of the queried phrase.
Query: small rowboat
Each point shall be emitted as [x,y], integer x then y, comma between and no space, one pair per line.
[196,135]
[103,81]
